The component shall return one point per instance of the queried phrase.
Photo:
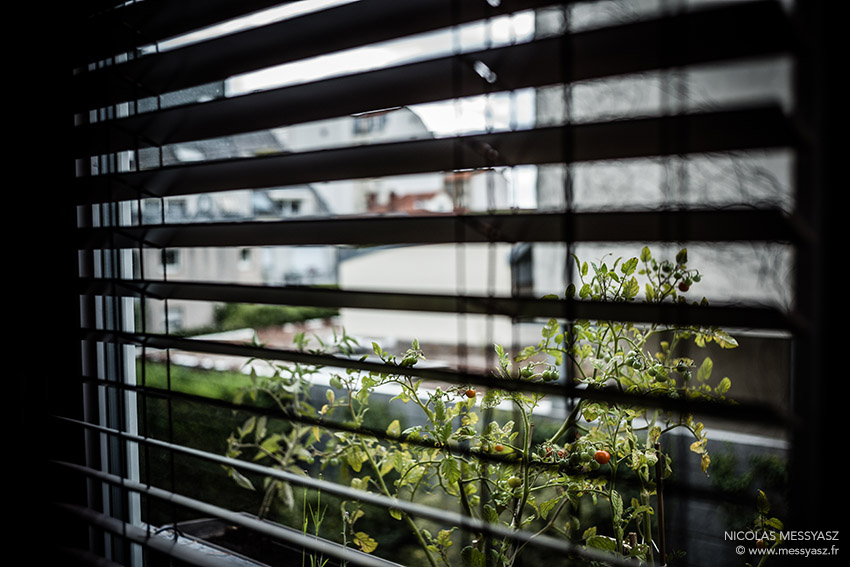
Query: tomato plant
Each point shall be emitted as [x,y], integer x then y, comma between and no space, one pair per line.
[495,469]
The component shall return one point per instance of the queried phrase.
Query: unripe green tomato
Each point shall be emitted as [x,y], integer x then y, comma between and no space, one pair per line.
[526,372]
[515,482]
[651,371]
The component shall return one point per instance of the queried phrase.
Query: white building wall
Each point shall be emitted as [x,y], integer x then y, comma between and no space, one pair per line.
[474,269]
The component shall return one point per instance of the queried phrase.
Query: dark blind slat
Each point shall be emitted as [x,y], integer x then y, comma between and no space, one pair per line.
[112,29]
[763,127]
[163,544]
[728,316]
[639,226]
[750,30]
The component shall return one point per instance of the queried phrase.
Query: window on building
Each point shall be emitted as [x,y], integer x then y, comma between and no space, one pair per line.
[171,260]
[369,123]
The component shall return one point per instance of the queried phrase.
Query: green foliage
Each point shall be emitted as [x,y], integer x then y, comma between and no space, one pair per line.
[233,316]
[206,383]
[498,470]
[229,316]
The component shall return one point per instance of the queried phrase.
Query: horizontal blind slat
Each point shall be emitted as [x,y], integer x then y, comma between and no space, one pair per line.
[637,226]
[162,544]
[730,316]
[722,131]
[115,27]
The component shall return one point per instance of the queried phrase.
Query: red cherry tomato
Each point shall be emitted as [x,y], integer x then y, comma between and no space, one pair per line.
[470,393]
[683,287]
[602,457]
[498,447]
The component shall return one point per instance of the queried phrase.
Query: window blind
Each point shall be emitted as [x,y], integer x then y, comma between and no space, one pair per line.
[125,72]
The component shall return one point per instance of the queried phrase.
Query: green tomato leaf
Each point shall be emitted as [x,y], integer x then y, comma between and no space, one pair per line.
[247,427]
[439,409]
[490,514]
[654,433]
[617,504]
[444,538]
[698,447]
[724,339]
[271,445]
[547,506]
[355,459]
[602,542]
[762,503]
[241,479]
[631,288]
[629,266]
[645,254]
[364,542]
[704,372]
[724,386]
[412,433]
[394,429]
[473,557]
